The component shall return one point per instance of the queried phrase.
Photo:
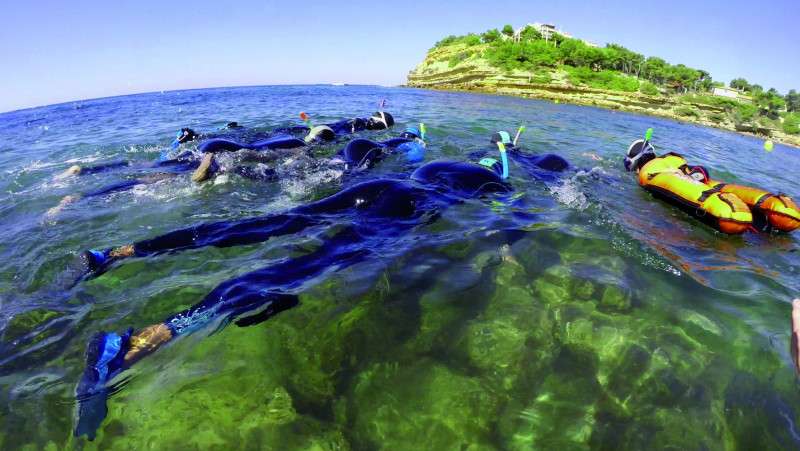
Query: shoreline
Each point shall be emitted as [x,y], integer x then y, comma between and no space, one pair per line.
[443,69]
[588,97]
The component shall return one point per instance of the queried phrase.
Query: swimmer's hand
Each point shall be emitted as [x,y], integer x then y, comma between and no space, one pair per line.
[795,338]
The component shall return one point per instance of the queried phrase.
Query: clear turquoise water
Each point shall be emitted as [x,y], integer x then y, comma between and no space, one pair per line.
[616,322]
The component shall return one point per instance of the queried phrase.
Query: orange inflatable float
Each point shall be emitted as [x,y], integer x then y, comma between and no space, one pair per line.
[728,207]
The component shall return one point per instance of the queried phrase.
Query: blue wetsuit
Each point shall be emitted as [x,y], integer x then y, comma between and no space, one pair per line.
[377,213]
[231,140]
[376,210]
[234,139]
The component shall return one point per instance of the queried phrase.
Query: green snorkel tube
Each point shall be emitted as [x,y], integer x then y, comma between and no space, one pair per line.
[647,136]
[520,131]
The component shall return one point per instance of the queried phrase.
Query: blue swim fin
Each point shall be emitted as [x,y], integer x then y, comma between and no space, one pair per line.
[105,358]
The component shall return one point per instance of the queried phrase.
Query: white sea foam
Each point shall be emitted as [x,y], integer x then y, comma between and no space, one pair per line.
[569,191]
[302,187]
[165,190]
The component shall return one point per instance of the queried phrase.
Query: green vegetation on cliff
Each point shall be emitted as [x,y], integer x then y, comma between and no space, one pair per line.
[506,60]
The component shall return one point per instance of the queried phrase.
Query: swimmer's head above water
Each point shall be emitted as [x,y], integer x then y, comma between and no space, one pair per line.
[185,135]
[502,137]
[502,140]
[380,120]
[639,153]
[320,133]
[411,133]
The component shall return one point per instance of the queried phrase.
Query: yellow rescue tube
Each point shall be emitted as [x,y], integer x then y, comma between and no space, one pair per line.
[724,211]
[779,210]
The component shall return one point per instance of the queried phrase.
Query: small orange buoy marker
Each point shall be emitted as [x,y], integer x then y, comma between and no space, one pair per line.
[795,338]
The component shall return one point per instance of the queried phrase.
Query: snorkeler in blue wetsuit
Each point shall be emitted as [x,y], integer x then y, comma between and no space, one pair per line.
[358,154]
[280,142]
[377,214]
[234,137]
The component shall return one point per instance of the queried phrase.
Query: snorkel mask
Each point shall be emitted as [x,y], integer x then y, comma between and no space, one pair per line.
[380,120]
[185,134]
[639,153]
[320,133]
[411,133]
[415,149]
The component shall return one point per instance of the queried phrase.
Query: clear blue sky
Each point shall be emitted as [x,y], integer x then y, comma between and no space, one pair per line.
[55,51]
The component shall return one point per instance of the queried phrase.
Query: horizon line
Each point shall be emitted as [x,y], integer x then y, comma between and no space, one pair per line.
[164,91]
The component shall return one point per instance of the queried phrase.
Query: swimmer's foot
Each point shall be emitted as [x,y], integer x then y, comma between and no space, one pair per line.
[105,358]
[67,200]
[95,262]
[203,172]
[70,172]
[795,337]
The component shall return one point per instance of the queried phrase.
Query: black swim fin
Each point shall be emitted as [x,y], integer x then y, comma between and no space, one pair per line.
[279,303]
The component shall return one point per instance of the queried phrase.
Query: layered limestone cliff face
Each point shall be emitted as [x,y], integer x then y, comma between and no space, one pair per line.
[447,68]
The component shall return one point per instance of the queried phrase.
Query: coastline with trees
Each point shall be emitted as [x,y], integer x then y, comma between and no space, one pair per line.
[539,61]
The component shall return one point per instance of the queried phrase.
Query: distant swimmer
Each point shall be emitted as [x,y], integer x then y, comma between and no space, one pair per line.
[358,154]
[234,136]
[255,146]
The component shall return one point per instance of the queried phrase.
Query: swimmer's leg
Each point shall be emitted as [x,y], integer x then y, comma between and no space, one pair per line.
[71,199]
[110,189]
[205,170]
[70,172]
[254,230]
[218,234]
[66,201]
[268,286]
[534,163]
[86,170]
[108,354]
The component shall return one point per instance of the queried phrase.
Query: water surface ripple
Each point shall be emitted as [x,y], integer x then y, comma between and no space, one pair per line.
[581,313]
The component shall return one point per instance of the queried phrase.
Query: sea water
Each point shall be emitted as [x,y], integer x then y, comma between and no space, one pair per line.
[581,313]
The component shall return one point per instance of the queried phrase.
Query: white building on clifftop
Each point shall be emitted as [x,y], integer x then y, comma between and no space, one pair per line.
[547,30]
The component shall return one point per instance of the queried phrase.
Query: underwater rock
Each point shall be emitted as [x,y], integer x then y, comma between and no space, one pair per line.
[512,337]
[614,299]
[400,407]
[204,401]
[561,415]
[701,321]
[552,287]
[582,289]
[23,323]
[279,408]
[633,363]
[759,418]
